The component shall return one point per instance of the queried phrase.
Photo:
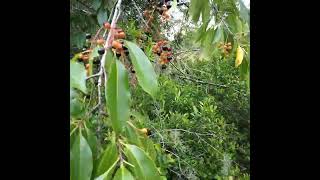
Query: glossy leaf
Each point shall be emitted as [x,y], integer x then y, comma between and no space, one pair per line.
[109,59]
[218,35]
[234,23]
[109,157]
[132,135]
[244,70]
[93,142]
[76,108]
[78,39]
[123,174]
[81,162]
[205,11]
[108,174]
[144,70]
[144,167]
[148,147]
[118,96]
[96,4]
[78,76]
[195,9]
[102,16]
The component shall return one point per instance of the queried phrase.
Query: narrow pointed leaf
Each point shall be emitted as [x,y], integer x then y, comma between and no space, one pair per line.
[144,167]
[218,36]
[81,162]
[109,59]
[118,96]
[78,76]
[132,135]
[123,174]
[144,70]
[108,174]
[102,16]
[109,156]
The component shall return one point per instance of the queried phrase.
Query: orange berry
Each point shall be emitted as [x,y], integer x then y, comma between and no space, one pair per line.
[100,41]
[107,25]
[116,45]
[120,35]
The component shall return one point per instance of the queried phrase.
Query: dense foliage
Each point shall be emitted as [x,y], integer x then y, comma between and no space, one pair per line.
[144,107]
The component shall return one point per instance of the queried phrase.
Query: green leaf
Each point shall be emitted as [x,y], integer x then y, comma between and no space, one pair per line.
[76,108]
[123,174]
[244,69]
[195,9]
[234,23]
[102,16]
[205,11]
[109,59]
[78,76]
[132,135]
[108,174]
[118,96]
[144,167]
[218,35]
[96,4]
[148,147]
[81,162]
[208,47]
[93,142]
[144,70]
[110,4]
[78,39]
[109,157]
[201,33]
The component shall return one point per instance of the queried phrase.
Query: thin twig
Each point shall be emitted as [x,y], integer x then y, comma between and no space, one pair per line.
[140,15]
[202,82]
[107,46]
[92,76]
[201,134]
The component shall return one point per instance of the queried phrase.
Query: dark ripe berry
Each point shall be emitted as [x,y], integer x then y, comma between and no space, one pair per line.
[126,52]
[169,49]
[159,54]
[88,36]
[164,66]
[101,51]
[133,71]
[96,61]
[165,48]
[124,48]
[149,132]
[169,58]
[118,54]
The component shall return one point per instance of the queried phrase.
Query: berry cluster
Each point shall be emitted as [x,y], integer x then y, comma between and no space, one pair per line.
[161,49]
[117,44]
[225,48]
[163,9]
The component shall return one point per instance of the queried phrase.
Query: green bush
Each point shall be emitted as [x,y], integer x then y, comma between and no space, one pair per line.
[205,127]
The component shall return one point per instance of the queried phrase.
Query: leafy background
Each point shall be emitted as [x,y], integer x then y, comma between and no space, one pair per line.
[199,117]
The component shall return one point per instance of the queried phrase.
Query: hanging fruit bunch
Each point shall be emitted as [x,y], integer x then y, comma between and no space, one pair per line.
[162,49]
[226,48]
[163,8]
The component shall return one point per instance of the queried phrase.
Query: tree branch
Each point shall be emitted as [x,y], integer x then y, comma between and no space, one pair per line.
[107,46]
